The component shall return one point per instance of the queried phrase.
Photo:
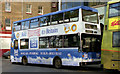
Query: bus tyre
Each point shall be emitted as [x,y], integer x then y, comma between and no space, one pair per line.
[57,63]
[101,66]
[24,61]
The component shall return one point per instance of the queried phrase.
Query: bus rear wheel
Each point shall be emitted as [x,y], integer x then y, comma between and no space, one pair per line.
[24,61]
[57,63]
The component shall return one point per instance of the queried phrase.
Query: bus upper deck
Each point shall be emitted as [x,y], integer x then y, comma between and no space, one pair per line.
[86,16]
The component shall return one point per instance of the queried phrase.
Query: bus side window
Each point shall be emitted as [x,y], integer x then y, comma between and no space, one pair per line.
[17,26]
[43,42]
[60,19]
[66,41]
[71,40]
[26,25]
[116,39]
[48,20]
[16,44]
[52,42]
[34,23]
[43,21]
[66,17]
[71,16]
[58,42]
[22,25]
[24,43]
[74,16]
[57,19]
[54,19]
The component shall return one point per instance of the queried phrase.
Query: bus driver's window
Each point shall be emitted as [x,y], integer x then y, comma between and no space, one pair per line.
[16,44]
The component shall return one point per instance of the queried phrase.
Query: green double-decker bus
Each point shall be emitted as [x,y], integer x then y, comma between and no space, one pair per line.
[110,54]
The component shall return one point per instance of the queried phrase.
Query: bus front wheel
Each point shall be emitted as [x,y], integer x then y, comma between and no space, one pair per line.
[24,61]
[57,63]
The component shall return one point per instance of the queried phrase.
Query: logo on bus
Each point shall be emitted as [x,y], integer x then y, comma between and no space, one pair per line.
[17,35]
[67,28]
[115,23]
[74,27]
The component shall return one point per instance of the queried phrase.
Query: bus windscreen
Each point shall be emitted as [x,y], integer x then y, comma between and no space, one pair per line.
[89,16]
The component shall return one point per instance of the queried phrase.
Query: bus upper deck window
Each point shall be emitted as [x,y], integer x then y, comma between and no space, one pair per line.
[17,26]
[60,19]
[74,16]
[54,19]
[14,29]
[43,21]
[26,26]
[90,16]
[48,20]
[71,16]
[57,19]
[34,23]
[22,25]
[67,17]
[116,8]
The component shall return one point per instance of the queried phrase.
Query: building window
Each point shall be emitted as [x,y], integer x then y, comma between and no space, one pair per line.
[7,23]
[40,10]
[29,8]
[54,4]
[7,7]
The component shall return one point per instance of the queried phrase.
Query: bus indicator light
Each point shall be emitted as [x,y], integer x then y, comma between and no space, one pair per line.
[83,56]
[56,49]
[12,44]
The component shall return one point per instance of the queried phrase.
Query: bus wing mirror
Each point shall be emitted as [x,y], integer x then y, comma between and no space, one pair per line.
[101,16]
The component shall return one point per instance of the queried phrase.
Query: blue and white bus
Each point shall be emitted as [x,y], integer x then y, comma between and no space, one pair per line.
[69,37]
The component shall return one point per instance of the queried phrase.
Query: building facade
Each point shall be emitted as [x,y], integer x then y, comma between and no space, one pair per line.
[14,11]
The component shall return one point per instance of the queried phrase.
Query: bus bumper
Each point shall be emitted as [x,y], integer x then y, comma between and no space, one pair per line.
[89,63]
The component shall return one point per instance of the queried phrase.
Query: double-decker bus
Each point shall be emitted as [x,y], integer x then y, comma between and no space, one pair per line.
[110,54]
[69,37]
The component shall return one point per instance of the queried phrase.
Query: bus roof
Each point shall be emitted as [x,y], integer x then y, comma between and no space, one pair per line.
[57,12]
